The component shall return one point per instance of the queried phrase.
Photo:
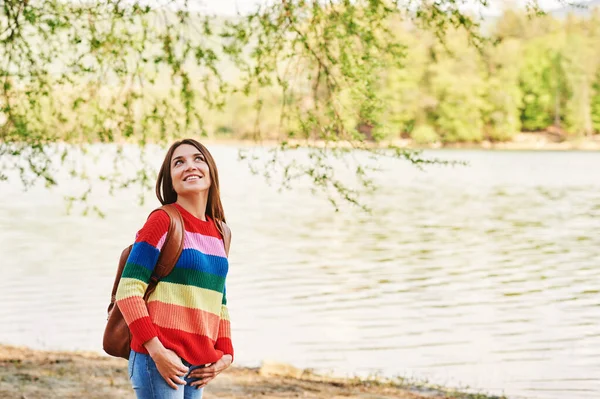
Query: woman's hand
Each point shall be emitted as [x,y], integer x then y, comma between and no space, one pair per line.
[207,374]
[168,364]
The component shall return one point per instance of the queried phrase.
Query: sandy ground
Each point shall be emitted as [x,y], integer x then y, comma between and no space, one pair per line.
[32,374]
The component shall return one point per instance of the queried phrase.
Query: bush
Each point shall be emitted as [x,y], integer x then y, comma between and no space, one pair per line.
[424,134]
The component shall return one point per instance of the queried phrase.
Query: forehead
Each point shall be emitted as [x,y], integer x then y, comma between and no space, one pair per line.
[185,150]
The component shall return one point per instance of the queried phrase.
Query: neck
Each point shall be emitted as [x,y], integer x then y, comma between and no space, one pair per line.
[195,204]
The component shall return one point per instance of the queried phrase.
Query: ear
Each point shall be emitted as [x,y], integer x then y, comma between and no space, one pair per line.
[226,237]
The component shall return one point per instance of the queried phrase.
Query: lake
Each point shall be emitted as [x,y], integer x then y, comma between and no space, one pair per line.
[486,275]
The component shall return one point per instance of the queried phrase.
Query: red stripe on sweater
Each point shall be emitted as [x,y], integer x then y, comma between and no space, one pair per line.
[196,349]
[155,227]
[142,330]
[195,225]
[225,346]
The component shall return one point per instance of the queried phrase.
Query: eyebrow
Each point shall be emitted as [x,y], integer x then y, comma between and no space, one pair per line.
[181,157]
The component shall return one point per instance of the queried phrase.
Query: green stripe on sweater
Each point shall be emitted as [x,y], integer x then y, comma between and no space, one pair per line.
[136,271]
[196,278]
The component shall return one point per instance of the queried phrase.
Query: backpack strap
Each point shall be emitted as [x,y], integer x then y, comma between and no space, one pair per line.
[171,249]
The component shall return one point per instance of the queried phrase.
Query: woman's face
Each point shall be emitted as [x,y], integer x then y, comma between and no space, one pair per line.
[189,170]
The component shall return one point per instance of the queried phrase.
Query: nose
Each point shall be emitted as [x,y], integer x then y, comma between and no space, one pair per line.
[190,165]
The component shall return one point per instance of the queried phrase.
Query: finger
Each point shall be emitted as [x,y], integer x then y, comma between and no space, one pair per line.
[196,383]
[178,380]
[202,375]
[181,367]
[199,372]
[170,383]
[168,380]
[205,370]
[201,383]
[180,372]
[210,371]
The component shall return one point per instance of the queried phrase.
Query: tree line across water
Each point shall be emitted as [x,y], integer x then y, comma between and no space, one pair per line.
[540,74]
[529,73]
[533,74]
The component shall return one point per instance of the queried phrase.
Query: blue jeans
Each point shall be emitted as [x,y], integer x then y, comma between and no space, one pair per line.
[149,384]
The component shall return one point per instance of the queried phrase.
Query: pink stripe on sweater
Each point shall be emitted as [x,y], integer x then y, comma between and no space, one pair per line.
[161,242]
[133,308]
[206,244]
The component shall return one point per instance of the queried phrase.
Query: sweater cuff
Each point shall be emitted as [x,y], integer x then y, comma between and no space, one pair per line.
[143,329]
[225,346]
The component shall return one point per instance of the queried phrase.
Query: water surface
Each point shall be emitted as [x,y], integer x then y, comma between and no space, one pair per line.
[484,276]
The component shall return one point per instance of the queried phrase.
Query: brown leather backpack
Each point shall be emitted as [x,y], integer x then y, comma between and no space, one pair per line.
[117,337]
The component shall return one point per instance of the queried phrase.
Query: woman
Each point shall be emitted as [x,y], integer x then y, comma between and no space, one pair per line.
[181,337]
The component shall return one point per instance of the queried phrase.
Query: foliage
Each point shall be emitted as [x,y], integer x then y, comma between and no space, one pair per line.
[596,102]
[540,85]
[503,96]
[424,134]
[332,77]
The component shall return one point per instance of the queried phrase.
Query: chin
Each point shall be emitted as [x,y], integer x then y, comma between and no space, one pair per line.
[194,190]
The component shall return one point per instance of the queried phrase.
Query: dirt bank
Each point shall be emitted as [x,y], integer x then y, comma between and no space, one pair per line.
[32,374]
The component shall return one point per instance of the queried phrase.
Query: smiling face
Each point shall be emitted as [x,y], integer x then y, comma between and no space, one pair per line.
[189,171]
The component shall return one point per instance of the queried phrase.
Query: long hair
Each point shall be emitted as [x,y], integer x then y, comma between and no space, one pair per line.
[167,195]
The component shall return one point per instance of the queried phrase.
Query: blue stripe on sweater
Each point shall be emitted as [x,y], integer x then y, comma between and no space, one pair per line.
[144,254]
[193,259]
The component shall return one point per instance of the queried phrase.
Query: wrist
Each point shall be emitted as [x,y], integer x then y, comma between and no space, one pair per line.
[228,359]
[154,347]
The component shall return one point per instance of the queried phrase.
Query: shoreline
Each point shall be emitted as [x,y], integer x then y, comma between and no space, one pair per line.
[35,374]
[524,142]
[531,141]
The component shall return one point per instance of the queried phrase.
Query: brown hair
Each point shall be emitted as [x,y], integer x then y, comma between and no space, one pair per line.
[167,195]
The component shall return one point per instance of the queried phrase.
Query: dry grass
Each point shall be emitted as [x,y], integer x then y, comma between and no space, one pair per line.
[32,374]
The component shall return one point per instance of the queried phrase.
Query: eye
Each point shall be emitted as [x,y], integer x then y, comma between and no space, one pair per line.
[177,162]
[199,158]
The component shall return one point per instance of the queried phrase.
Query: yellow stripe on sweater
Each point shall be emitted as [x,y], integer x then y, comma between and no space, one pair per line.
[129,287]
[188,296]
[224,312]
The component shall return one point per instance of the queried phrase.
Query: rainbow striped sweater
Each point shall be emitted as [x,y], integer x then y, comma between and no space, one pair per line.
[188,309]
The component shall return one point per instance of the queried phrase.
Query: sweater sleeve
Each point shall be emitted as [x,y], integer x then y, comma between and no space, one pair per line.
[137,273]
[224,337]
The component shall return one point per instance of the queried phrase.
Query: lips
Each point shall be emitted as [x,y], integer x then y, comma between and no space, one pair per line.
[192,178]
